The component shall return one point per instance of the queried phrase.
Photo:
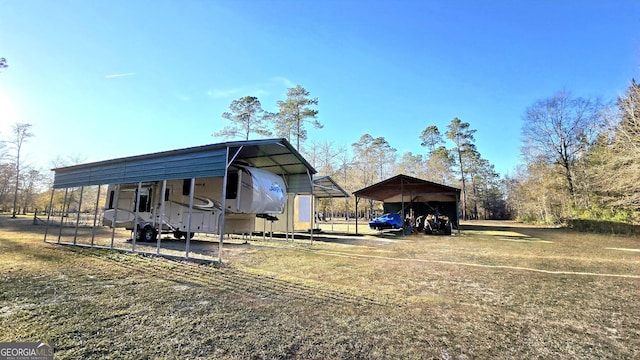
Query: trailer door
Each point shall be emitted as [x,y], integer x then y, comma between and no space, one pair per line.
[145,200]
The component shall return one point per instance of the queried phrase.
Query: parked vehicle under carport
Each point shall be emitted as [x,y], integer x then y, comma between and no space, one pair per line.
[386,221]
[437,225]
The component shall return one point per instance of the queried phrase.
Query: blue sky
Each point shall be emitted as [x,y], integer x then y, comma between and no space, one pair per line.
[106,79]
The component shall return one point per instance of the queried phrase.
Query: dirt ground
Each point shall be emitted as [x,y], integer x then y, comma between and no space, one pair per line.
[497,290]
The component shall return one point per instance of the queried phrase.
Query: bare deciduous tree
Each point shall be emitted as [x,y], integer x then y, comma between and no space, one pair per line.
[32,179]
[412,165]
[440,165]
[558,130]
[21,134]
[324,156]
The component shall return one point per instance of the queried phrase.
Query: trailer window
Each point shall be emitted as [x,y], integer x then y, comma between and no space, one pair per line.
[186,186]
[232,185]
[111,195]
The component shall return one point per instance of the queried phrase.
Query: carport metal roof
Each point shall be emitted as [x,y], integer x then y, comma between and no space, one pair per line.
[404,188]
[275,155]
[326,187]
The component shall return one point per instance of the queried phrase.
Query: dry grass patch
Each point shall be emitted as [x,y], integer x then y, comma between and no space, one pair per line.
[416,297]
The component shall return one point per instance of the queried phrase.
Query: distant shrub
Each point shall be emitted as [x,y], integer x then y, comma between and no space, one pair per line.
[603,226]
[597,213]
[534,220]
[594,220]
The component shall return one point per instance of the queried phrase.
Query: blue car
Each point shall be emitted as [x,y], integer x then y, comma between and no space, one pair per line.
[386,221]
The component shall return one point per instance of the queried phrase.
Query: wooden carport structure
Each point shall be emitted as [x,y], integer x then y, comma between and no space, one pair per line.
[406,189]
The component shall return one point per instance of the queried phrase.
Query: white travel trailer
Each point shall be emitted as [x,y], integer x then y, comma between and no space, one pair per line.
[249,192]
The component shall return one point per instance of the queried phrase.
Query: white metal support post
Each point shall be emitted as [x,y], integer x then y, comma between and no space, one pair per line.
[224,206]
[222,214]
[154,206]
[313,205]
[46,227]
[64,203]
[95,216]
[285,178]
[346,210]
[286,214]
[293,218]
[403,215]
[191,190]
[332,213]
[135,220]
[357,198]
[224,199]
[75,234]
[115,214]
[457,212]
[161,215]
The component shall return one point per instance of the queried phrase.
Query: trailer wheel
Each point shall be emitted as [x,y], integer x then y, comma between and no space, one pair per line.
[179,234]
[147,234]
[447,229]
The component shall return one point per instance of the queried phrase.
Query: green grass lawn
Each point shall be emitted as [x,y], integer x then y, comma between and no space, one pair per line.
[498,290]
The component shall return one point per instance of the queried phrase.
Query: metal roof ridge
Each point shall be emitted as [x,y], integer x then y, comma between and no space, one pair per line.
[193,149]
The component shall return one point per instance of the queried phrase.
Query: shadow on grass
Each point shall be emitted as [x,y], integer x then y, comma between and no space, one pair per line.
[175,244]
[499,226]
[575,225]
[13,248]
[21,224]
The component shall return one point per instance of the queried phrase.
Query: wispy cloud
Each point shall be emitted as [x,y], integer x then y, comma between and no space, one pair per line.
[220,94]
[182,97]
[283,80]
[260,90]
[119,75]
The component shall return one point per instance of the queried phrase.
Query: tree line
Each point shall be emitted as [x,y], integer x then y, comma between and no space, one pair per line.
[248,117]
[581,160]
[372,159]
[20,183]
[25,188]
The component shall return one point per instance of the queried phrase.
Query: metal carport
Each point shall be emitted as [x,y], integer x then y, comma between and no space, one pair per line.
[406,189]
[324,187]
[274,155]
